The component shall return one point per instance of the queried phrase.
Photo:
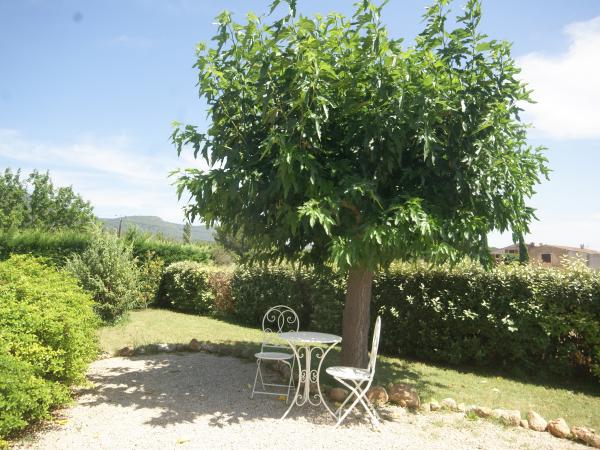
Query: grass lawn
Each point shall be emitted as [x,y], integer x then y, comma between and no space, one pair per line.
[577,403]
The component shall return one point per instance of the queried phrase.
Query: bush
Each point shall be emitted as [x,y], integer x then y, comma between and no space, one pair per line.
[151,272]
[24,397]
[47,338]
[108,270]
[192,287]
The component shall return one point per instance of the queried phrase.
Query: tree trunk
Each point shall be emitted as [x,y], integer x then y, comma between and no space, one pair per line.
[355,327]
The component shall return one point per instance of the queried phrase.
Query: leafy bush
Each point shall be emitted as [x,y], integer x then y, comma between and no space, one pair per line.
[517,318]
[47,338]
[108,270]
[24,397]
[151,272]
[189,286]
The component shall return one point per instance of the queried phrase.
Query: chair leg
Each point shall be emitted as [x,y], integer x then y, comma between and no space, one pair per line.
[255,378]
[360,395]
[291,382]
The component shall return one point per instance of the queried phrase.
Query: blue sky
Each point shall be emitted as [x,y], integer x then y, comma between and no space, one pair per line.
[89,89]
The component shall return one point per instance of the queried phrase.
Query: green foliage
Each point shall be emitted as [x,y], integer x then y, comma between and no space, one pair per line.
[24,397]
[47,338]
[169,251]
[520,318]
[37,203]
[186,286]
[108,269]
[187,233]
[56,246]
[151,272]
[330,142]
[514,317]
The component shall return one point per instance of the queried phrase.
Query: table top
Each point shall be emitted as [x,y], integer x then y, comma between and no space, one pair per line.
[310,337]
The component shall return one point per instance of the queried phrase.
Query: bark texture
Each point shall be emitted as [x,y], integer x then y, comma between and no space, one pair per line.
[355,327]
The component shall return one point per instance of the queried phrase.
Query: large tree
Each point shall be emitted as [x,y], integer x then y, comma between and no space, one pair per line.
[330,142]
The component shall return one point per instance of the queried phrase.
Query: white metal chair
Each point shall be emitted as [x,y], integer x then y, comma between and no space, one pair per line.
[361,380]
[277,319]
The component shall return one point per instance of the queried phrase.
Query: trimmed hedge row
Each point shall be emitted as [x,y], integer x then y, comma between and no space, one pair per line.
[516,318]
[47,338]
[57,246]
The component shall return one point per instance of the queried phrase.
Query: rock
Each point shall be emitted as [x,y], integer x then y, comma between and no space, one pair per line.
[449,403]
[434,405]
[586,435]
[482,411]
[194,345]
[559,428]
[404,395]
[377,395]
[524,424]
[461,407]
[507,416]
[536,422]
[338,394]
[208,348]
[125,351]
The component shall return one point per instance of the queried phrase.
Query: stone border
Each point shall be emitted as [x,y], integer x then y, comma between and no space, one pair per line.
[401,394]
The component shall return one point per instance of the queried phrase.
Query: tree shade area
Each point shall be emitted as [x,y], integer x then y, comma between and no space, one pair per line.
[331,142]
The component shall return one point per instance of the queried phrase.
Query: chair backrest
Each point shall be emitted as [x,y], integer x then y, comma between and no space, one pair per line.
[374,346]
[278,319]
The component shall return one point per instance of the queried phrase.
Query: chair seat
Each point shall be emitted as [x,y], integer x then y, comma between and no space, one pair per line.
[277,356]
[348,373]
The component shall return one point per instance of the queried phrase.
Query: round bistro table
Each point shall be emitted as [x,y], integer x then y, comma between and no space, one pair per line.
[303,344]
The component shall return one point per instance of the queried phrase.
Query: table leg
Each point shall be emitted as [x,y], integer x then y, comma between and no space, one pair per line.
[307,376]
[297,391]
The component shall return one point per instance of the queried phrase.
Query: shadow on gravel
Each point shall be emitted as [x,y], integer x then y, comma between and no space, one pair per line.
[182,387]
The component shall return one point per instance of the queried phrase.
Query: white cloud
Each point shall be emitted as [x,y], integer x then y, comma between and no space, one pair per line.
[112,174]
[567,86]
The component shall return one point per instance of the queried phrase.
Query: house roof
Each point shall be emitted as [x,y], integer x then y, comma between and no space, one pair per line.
[561,247]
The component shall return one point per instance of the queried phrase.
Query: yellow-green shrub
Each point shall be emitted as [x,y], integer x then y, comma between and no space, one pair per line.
[47,338]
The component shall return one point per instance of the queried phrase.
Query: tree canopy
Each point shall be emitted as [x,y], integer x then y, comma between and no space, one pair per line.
[330,141]
[34,202]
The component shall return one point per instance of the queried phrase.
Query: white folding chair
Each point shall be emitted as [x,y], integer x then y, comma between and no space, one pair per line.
[361,380]
[277,319]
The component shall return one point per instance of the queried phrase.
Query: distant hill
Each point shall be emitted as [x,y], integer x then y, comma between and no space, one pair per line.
[156,225]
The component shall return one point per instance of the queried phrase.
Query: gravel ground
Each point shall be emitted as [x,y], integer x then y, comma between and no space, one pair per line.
[197,400]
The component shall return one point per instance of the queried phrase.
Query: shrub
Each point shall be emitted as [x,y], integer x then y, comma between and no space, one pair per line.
[108,270]
[151,272]
[24,397]
[186,286]
[47,338]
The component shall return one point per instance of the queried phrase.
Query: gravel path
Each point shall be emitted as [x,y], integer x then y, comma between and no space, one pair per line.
[197,400]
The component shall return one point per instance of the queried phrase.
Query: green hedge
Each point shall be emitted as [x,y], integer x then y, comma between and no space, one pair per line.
[47,338]
[515,318]
[55,246]
[59,245]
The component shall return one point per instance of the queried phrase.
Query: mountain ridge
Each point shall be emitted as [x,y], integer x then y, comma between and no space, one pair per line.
[156,225]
